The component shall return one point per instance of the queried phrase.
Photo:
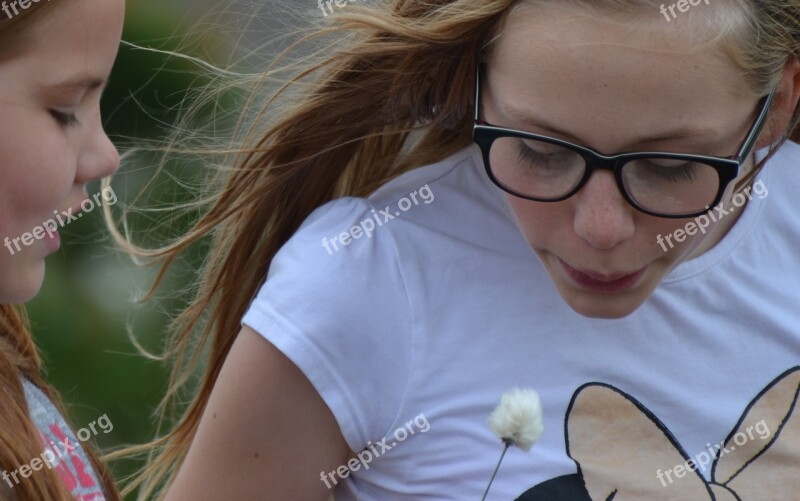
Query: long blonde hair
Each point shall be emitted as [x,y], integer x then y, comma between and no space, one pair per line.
[19,358]
[390,90]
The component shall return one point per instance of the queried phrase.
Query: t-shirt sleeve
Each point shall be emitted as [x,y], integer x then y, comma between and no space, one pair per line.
[341,314]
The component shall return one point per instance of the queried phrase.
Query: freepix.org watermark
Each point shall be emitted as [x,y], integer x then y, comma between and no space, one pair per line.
[56,452]
[10,8]
[338,3]
[703,221]
[379,218]
[50,227]
[365,457]
[702,459]
[682,5]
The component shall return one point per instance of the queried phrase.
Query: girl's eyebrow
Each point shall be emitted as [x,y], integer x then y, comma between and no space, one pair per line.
[682,132]
[90,83]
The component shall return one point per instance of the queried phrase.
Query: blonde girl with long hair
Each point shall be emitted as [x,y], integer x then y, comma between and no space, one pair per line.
[593,199]
[55,58]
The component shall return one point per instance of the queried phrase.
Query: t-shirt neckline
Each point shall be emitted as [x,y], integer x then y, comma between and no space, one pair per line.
[743,227]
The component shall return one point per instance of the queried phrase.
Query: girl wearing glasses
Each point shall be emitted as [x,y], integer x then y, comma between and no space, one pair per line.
[557,140]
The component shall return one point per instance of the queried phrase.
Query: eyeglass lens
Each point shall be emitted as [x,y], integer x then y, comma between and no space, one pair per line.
[545,171]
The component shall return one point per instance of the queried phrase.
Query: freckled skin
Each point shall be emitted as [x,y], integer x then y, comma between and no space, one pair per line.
[612,86]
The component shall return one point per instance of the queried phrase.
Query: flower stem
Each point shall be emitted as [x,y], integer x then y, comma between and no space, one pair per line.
[486,492]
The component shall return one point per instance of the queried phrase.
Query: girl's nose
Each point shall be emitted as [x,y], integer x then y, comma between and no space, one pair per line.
[99,158]
[602,216]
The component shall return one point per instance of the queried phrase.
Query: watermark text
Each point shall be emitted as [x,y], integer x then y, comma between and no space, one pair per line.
[50,227]
[366,456]
[702,459]
[682,5]
[379,218]
[703,221]
[338,3]
[10,8]
[55,453]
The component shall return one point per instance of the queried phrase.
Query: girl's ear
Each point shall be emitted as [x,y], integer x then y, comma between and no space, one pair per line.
[783,106]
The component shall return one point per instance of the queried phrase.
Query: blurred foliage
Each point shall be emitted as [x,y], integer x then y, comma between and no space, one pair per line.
[87,306]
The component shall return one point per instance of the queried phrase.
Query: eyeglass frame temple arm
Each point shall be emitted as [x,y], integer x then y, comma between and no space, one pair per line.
[478,64]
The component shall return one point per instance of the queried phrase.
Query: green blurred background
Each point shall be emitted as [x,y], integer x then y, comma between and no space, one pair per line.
[87,306]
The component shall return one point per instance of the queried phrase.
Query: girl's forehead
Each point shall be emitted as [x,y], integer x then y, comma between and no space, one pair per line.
[75,40]
[533,27]
[553,58]
[614,92]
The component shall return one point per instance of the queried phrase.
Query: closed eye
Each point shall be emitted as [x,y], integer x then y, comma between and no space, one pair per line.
[686,171]
[64,119]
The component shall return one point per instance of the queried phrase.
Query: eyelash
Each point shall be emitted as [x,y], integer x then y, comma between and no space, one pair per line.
[64,119]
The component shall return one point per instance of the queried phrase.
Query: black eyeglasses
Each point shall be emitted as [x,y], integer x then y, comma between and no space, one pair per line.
[669,185]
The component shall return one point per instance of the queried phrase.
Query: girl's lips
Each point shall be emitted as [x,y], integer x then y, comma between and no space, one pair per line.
[598,282]
[52,240]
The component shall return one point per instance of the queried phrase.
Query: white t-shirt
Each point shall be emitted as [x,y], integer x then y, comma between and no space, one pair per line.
[413,333]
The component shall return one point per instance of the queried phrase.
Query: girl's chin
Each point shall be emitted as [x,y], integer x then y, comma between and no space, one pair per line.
[606,307]
[21,287]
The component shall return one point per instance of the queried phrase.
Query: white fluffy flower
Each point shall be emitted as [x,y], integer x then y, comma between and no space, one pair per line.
[518,418]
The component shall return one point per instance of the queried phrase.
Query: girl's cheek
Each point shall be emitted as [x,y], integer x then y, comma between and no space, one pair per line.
[39,184]
[55,164]
[541,222]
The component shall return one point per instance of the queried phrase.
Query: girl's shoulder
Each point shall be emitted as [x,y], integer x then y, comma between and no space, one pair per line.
[415,187]
[432,203]
[784,163]
[779,183]
[362,244]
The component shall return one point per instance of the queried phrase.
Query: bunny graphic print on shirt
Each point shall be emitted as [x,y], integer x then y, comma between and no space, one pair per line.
[623,451]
